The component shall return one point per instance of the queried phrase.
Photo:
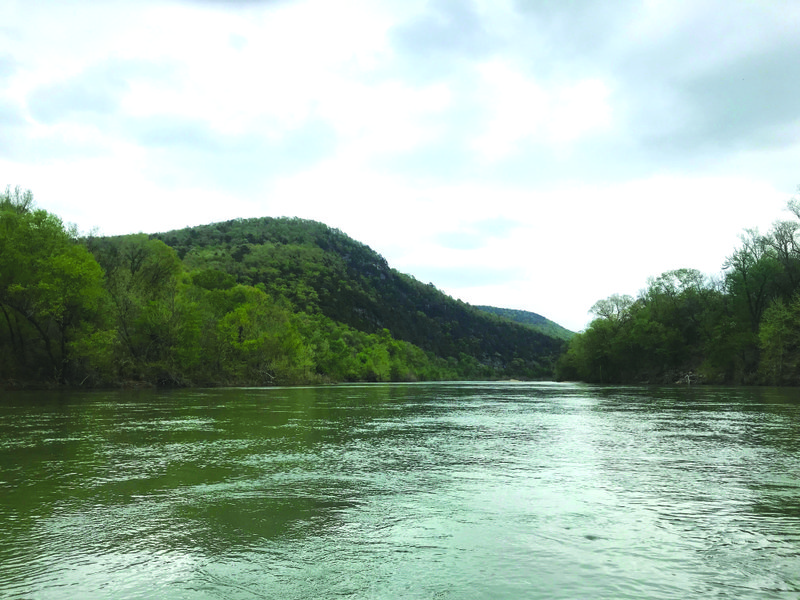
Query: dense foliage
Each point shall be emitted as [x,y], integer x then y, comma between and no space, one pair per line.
[741,328]
[247,302]
[321,270]
[51,292]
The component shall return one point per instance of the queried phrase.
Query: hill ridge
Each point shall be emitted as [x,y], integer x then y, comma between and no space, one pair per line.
[317,267]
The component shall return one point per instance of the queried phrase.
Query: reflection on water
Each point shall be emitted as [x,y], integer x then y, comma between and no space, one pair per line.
[402,491]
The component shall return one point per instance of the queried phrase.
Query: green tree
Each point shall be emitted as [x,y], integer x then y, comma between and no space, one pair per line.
[260,343]
[779,337]
[50,288]
[615,308]
[142,279]
[752,273]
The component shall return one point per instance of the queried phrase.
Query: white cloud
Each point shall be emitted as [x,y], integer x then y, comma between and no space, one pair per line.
[549,114]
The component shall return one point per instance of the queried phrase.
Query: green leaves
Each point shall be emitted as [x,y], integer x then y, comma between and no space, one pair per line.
[51,285]
[779,339]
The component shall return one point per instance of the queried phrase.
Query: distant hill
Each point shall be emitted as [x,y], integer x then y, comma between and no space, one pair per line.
[532,320]
[320,269]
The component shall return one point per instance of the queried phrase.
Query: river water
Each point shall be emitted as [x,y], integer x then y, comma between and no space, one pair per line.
[446,491]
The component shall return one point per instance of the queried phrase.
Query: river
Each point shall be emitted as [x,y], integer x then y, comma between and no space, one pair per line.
[445,491]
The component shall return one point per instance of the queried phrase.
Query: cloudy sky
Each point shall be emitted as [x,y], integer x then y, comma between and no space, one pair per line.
[528,154]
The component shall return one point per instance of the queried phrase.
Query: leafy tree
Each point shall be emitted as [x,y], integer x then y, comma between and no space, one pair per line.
[615,308]
[752,274]
[261,344]
[783,244]
[50,288]
[142,277]
[779,337]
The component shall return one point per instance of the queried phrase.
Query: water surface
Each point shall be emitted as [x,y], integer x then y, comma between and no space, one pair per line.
[401,491]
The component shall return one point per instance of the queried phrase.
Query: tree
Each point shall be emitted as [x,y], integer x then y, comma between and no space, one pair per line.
[782,241]
[615,308]
[51,285]
[17,200]
[752,274]
[260,342]
[779,337]
[142,277]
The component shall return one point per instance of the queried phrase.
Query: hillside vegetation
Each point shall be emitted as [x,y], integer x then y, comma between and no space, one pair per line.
[245,302]
[532,320]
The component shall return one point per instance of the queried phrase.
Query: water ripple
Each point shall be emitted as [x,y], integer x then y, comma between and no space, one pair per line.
[417,491]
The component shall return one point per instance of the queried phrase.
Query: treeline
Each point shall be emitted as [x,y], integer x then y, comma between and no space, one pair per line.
[133,310]
[741,328]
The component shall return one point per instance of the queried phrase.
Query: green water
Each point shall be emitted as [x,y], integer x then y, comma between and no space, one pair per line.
[401,491]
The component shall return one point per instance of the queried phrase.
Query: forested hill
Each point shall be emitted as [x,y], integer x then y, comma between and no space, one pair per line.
[532,320]
[246,302]
[320,269]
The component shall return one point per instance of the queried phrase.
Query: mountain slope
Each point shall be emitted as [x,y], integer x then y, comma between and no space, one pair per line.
[320,269]
[532,320]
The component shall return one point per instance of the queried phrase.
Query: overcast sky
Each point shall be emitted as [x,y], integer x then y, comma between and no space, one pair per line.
[537,155]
